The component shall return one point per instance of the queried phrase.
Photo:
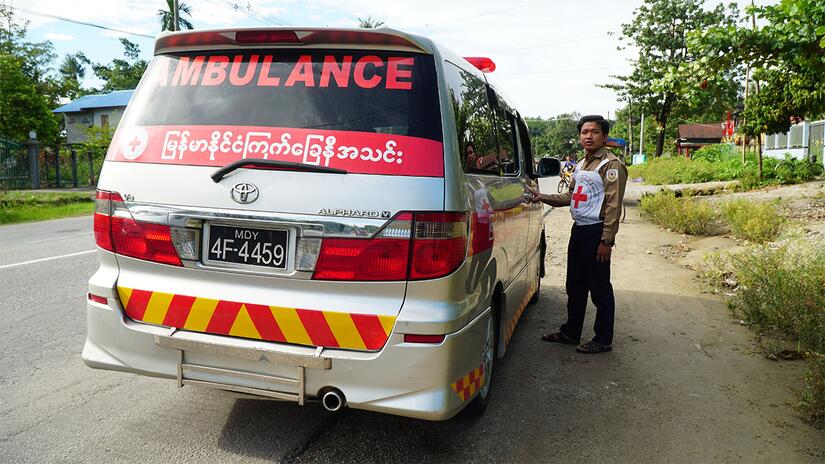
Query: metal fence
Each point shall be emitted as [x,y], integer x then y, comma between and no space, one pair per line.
[32,166]
[69,166]
[14,165]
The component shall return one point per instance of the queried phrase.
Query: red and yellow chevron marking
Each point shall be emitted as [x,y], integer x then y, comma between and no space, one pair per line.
[470,383]
[272,323]
[511,324]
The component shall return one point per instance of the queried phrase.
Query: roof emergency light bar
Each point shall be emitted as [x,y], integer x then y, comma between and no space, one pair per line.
[483,64]
[210,39]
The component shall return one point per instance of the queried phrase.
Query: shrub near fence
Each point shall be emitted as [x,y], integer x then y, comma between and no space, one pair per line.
[85,176]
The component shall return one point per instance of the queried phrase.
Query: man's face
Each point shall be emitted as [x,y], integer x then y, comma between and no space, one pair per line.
[470,153]
[591,137]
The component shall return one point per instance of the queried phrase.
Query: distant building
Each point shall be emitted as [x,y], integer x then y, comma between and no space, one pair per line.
[695,136]
[93,111]
[805,140]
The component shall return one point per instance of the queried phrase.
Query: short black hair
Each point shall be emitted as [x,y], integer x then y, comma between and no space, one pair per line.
[598,119]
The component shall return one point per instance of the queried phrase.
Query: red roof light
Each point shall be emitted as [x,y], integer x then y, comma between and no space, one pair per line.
[484,64]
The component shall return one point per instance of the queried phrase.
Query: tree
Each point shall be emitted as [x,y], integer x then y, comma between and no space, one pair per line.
[370,23]
[788,58]
[554,137]
[167,17]
[22,107]
[660,83]
[72,72]
[27,91]
[121,74]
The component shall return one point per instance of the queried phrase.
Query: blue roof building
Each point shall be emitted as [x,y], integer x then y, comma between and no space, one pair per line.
[103,110]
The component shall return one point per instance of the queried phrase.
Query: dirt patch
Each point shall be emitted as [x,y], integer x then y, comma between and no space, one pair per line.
[688,360]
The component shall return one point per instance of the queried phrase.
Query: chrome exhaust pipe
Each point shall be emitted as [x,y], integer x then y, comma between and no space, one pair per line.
[333,400]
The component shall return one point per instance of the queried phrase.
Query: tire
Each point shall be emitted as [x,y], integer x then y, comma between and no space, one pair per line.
[562,184]
[490,351]
[539,274]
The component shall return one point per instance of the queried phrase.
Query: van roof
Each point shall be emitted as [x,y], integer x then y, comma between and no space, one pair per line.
[290,37]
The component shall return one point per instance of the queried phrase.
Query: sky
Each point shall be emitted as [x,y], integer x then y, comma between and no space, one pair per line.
[550,54]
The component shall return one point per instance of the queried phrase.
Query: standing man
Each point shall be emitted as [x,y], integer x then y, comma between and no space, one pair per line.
[595,201]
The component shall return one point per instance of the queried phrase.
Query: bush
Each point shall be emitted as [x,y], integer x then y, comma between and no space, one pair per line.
[721,163]
[715,152]
[811,397]
[756,221]
[682,215]
[779,290]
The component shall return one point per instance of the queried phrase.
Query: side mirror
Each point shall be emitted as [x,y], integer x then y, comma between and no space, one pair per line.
[549,167]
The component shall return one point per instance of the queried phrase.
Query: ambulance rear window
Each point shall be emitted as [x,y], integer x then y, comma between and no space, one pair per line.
[336,108]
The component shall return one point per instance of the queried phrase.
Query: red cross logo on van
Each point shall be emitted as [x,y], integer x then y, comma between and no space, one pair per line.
[134,143]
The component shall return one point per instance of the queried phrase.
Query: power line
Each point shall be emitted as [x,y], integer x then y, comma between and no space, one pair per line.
[248,12]
[82,23]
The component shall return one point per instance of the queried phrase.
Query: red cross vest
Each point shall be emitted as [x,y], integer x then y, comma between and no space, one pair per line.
[588,195]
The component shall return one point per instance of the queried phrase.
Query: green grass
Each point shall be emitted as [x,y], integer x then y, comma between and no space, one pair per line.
[723,163]
[38,206]
[755,221]
[780,293]
[678,170]
[681,215]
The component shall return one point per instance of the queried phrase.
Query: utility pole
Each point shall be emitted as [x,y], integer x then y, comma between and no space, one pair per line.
[175,15]
[629,125]
[642,134]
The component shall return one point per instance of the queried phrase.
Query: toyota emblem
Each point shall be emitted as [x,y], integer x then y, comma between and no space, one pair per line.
[244,193]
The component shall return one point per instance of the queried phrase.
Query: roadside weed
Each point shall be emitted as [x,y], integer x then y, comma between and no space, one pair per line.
[755,221]
[810,399]
[681,215]
[779,289]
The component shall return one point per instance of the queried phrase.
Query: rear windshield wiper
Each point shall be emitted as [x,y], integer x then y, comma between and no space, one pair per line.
[218,175]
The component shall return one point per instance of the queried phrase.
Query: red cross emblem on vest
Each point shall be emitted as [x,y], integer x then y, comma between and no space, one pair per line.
[579,196]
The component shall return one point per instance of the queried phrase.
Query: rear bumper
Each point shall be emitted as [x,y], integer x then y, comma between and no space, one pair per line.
[413,380]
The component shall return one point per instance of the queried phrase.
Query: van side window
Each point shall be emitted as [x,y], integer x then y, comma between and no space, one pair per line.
[507,141]
[473,121]
[525,147]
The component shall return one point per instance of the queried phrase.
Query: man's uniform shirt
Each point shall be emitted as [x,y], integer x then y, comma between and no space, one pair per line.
[614,177]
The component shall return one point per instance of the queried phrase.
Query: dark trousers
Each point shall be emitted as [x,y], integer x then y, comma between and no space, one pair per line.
[586,275]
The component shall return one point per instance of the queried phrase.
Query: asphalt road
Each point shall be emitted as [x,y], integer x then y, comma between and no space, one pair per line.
[655,399]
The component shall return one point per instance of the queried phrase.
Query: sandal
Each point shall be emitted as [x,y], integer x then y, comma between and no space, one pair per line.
[560,337]
[593,347]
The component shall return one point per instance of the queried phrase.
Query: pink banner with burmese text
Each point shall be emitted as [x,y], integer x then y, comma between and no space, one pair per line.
[355,152]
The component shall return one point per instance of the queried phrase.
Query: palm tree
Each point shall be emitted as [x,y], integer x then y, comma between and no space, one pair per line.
[74,66]
[369,23]
[166,17]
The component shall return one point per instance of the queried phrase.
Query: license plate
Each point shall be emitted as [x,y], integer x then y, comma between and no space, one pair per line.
[246,245]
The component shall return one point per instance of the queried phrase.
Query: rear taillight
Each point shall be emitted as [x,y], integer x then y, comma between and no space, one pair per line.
[385,256]
[413,246]
[117,231]
[439,245]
